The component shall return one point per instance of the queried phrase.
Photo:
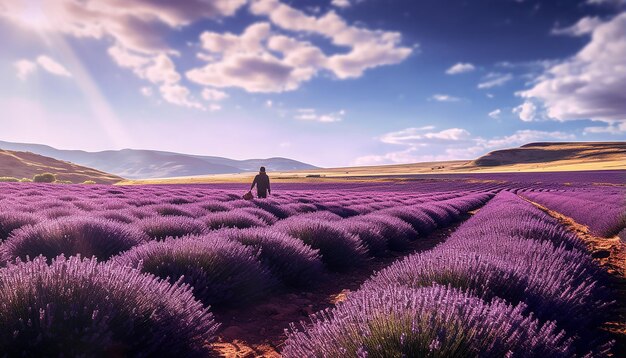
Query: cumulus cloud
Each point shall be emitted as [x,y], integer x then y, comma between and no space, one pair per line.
[24,68]
[415,136]
[341,3]
[146,91]
[260,60]
[590,84]
[423,144]
[584,26]
[495,80]
[460,68]
[310,114]
[179,95]
[269,56]
[53,66]
[495,114]
[138,24]
[607,2]
[444,98]
[159,70]
[211,94]
[611,128]
[526,111]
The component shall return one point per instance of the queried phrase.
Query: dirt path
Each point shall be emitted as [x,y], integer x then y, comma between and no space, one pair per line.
[259,330]
[610,254]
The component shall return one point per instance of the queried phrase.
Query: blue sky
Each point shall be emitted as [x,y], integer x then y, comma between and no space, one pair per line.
[332,83]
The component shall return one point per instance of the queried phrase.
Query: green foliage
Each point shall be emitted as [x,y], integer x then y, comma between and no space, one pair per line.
[89,182]
[8,180]
[26,180]
[44,178]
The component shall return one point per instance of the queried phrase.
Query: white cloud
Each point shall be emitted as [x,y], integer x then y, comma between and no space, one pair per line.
[495,80]
[159,70]
[424,145]
[611,128]
[138,25]
[310,114]
[590,84]
[24,68]
[444,98]
[211,94]
[146,91]
[269,103]
[53,66]
[526,111]
[214,107]
[341,3]
[260,61]
[179,95]
[495,114]
[607,2]
[137,29]
[126,58]
[522,137]
[584,26]
[460,68]
[417,136]
[269,56]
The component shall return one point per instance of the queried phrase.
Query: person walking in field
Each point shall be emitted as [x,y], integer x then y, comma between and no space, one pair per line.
[262,182]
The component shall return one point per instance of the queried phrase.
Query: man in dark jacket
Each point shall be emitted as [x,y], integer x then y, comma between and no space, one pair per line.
[262,182]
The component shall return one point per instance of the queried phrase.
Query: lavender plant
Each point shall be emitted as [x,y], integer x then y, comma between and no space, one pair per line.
[221,272]
[79,307]
[339,249]
[71,236]
[426,322]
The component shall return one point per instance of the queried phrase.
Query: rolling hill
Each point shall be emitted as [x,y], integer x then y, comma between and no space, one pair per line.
[134,164]
[532,157]
[26,165]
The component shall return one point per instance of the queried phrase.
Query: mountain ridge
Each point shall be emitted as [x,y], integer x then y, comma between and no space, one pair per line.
[146,164]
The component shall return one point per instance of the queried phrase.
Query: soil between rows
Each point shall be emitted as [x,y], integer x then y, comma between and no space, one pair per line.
[258,330]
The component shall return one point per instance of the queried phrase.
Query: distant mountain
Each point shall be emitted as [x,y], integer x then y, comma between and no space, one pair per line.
[137,164]
[26,164]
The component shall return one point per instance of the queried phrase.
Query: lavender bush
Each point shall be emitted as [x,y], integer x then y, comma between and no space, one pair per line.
[289,259]
[159,228]
[220,271]
[237,218]
[71,236]
[603,218]
[339,249]
[397,232]
[78,307]
[10,221]
[427,322]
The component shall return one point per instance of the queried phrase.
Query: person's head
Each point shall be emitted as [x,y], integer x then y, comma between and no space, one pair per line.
[262,170]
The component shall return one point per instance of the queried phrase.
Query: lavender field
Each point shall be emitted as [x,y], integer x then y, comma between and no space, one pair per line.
[440,267]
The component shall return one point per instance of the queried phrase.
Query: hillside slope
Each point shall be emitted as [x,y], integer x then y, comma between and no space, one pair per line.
[26,165]
[547,154]
[133,163]
[532,157]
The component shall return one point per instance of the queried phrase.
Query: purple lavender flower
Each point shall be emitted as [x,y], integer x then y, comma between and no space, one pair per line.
[79,307]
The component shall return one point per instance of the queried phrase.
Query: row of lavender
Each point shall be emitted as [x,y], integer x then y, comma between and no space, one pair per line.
[121,307]
[509,282]
[602,210]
